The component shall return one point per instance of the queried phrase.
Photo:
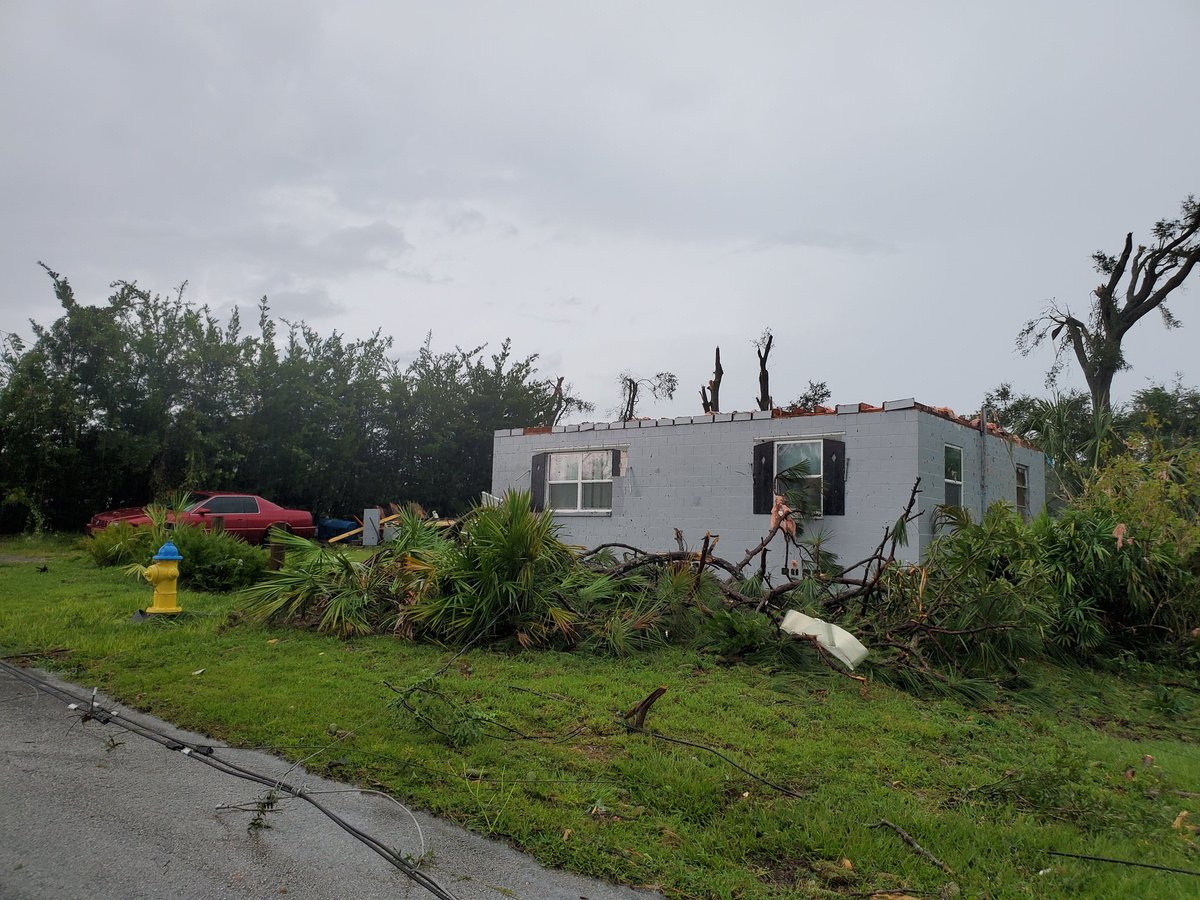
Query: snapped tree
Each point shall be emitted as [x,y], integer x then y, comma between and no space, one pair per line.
[710,395]
[762,346]
[1136,281]
[661,386]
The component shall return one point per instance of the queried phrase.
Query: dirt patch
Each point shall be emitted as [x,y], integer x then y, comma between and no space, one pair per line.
[804,872]
[12,559]
[784,872]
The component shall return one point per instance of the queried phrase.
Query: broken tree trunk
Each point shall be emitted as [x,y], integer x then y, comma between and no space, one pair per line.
[638,712]
[631,387]
[559,401]
[764,379]
[711,397]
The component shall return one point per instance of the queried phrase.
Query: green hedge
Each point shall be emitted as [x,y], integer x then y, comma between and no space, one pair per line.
[212,560]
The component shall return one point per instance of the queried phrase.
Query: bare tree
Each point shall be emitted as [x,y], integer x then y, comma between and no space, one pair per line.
[662,385]
[762,347]
[710,398]
[1136,282]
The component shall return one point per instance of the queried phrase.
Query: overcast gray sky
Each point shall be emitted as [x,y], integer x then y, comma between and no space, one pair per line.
[892,187]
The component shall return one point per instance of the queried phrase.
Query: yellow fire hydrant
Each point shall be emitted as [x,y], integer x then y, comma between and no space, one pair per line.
[164,575]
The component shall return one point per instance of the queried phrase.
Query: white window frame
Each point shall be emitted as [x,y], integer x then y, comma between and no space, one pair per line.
[818,476]
[579,482]
[961,472]
[1022,488]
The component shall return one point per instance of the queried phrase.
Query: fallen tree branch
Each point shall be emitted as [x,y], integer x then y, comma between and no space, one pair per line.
[910,631]
[709,543]
[762,545]
[911,841]
[825,657]
[933,629]
[654,559]
[34,654]
[596,550]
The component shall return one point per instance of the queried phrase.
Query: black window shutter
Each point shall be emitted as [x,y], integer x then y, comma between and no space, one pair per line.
[833,469]
[616,464]
[764,477]
[537,482]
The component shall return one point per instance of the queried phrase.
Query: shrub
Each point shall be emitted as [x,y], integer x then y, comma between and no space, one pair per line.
[1116,570]
[212,561]
[119,545]
[216,561]
[1129,547]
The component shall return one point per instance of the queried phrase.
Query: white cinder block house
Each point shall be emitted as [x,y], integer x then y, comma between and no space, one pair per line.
[636,482]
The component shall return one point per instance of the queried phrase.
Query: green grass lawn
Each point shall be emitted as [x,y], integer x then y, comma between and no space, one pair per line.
[1089,763]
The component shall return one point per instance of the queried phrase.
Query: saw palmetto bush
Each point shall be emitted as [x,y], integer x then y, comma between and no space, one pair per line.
[331,589]
[504,575]
[120,544]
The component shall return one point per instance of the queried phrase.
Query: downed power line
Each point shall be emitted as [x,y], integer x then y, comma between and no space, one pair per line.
[88,709]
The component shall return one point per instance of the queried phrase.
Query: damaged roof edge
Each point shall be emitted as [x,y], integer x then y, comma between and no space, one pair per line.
[942,412]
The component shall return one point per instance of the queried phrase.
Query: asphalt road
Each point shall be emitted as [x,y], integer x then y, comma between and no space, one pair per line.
[89,810]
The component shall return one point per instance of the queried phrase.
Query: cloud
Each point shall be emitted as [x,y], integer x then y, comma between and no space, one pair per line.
[358,246]
[311,304]
[815,239]
[866,173]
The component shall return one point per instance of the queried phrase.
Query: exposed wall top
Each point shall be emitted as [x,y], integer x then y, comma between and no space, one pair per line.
[841,409]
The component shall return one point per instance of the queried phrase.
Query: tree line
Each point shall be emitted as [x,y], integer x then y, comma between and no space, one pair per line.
[147,396]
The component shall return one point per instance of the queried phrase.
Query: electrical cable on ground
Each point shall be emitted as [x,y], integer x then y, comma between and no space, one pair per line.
[1123,862]
[89,709]
[408,763]
[337,740]
[386,796]
[674,740]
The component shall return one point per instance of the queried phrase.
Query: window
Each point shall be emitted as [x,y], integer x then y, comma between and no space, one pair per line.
[954,475]
[808,453]
[574,482]
[826,479]
[224,506]
[1023,491]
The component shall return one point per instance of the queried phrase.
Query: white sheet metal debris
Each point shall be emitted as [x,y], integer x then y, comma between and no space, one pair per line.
[836,640]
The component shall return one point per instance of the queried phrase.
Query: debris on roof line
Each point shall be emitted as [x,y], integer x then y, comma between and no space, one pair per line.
[943,412]
[993,428]
[793,411]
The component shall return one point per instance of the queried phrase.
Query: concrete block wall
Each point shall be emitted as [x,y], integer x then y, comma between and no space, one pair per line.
[999,477]
[695,474]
